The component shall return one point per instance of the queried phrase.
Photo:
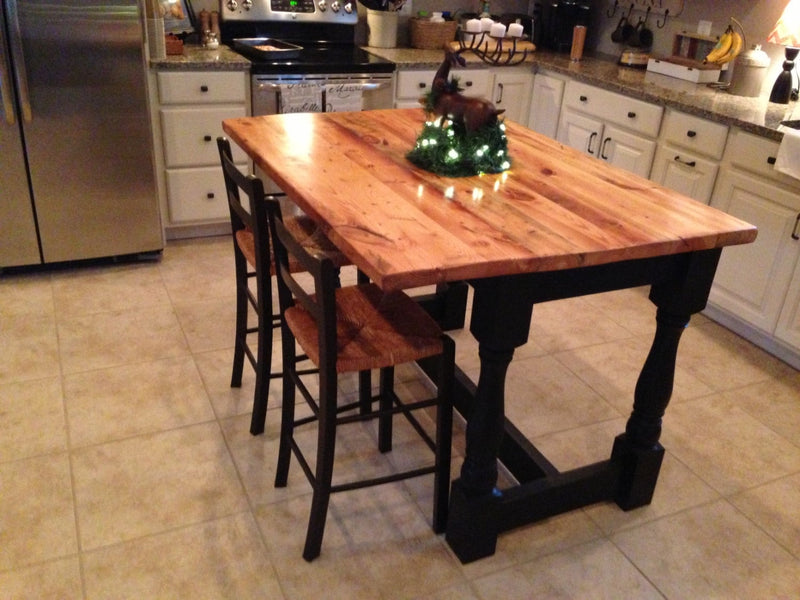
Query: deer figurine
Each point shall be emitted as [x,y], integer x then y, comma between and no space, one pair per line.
[446,101]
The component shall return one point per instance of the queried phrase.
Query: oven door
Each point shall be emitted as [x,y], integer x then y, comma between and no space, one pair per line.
[374,90]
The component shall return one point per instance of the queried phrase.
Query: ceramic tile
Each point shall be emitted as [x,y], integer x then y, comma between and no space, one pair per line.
[196,270]
[223,558]
[209,324]
[108,288]
[30,348]
[37,516]
[112,404]
[725,446]
[33,418]
[711,551]
[612,370]
[53,580]
[150,483]
[592,570]
[543,396]
[775,402]
[118,338]
[775,507]
[630,308]
[215,371]
[572,323]
[723,360]
[28,295]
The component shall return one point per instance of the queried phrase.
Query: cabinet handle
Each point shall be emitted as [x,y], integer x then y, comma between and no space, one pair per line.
[771,160]
[500,97]
[203,88]
[589,145]
[691,133]
[583,98]
[688,163]
[796,230]
[210,195]
[206,138]
[422,85]
[468,84]
[603,149]
[631,114]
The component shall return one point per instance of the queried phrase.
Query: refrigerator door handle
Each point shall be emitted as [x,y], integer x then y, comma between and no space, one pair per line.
[15,45]
[5,83]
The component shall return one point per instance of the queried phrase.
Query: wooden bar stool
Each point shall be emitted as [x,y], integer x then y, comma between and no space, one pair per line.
[354,329]
[254,261]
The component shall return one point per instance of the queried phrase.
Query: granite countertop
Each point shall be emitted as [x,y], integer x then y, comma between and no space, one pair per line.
[198,58]
[756,115]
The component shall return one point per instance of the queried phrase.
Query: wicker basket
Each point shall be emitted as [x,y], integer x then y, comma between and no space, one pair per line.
[430,34]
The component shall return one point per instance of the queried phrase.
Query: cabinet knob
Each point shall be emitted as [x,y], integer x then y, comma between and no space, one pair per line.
[206,138]
[468,84]
[210,195]
[631,114]
[583,98]
[422,85]
[771,160]
[203,88]
[691,133]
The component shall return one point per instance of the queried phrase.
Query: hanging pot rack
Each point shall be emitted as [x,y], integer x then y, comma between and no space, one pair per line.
[663,8]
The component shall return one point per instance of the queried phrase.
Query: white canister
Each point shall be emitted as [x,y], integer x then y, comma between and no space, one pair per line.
[382,28]
[749,70]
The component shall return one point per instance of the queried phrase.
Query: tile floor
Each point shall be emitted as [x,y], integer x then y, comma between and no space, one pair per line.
[127,471]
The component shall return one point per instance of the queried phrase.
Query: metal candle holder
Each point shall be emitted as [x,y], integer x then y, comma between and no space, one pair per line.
[498,56]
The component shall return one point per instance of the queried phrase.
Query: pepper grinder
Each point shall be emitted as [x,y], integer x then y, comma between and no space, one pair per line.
[215,24]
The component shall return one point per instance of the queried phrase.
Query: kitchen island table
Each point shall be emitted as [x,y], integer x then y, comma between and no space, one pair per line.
[557,224]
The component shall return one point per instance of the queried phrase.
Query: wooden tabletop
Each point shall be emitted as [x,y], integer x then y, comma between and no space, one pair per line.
[405,227]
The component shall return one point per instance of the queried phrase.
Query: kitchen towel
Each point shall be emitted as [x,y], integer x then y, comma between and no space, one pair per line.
[343,97]
[788,159]
[300,97]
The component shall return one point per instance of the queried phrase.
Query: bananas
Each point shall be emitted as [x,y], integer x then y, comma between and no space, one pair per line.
[728,47]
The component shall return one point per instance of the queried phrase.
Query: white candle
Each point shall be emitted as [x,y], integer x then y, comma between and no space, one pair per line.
[515,30]
[486,24]
[474,26]
[498,30]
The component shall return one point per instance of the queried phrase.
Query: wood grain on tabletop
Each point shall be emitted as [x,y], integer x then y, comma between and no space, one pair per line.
[554,209]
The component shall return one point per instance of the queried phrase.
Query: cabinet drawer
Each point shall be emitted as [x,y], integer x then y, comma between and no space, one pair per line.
[190,135]
[414,84]
[637,115]
[202,87]
[696,134]
[757,155]
[197,194]
[690,174]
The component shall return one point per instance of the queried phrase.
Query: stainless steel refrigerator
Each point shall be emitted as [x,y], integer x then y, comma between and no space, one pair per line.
[76,158]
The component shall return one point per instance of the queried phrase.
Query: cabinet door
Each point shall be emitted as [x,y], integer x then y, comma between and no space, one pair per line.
[627,150]
[512,93]
[752,280]
[545,104]
[684,172]
[580,131]
[788,328]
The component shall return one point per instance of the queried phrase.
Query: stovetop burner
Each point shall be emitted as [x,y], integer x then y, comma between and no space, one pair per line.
[324,28]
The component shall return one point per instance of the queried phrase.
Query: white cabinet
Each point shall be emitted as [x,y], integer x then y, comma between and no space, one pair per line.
[511,91]
[191,106]
[688,154]
[545,108]
[412,85]
[507,88]
[759,283]
[609,126]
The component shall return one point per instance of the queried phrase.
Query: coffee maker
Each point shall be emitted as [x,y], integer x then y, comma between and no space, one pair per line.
[560,18]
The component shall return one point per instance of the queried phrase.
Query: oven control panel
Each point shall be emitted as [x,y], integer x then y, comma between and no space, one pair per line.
[301,11]
[298,6]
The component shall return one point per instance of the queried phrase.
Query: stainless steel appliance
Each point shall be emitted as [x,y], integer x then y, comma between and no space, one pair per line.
[76,175]
[562,17]
[328,60]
